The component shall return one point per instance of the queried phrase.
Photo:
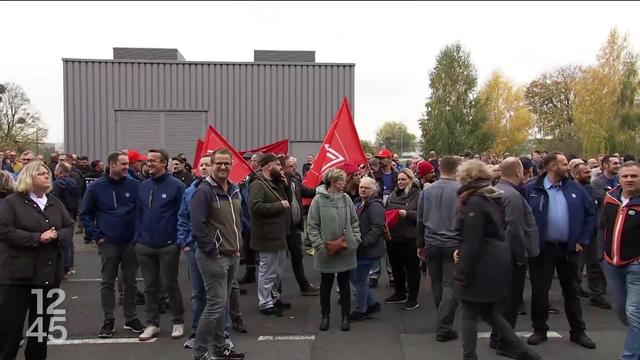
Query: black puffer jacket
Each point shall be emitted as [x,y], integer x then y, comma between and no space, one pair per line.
[406,229]
[24,260]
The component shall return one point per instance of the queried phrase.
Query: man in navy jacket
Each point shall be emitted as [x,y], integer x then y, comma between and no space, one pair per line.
[108,217]
[566,220]
[158,202]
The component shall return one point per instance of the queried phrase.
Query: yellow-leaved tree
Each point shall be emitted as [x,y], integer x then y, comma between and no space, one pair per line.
[508,116]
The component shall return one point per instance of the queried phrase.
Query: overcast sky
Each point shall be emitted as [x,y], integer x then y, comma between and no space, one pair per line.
[394,45]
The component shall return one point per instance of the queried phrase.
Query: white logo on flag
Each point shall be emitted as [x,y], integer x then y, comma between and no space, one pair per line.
[335,157]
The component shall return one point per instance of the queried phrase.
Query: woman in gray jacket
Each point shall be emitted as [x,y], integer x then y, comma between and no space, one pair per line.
[372,225]
[332,215]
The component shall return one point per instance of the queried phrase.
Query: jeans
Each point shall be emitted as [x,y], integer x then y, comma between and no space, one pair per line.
[364,295]
[406,267]
[294,243]
[198,298]
[376,269]
[269,274]
[326,283]
[555,258]
[113,257]
[15,302]
[440,266]
[161,264]
[624,286]
[218,273]
[470,311]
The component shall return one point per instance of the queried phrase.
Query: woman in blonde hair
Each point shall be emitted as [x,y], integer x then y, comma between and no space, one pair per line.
[483,258]
[331,216]
[33,225]
[402,247]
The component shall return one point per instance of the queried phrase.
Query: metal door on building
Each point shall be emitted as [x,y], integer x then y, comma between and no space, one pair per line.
[174,131]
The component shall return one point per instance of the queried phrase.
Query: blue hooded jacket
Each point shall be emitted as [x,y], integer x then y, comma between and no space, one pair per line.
[582,211]
[184,217]
[109,209]
[67,190]
[159,200]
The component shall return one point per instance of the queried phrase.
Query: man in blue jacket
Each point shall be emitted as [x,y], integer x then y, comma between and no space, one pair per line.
[108,217]
[566,220]
[157,206]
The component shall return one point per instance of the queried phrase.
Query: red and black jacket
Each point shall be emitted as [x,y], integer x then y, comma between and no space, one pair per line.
[621,229]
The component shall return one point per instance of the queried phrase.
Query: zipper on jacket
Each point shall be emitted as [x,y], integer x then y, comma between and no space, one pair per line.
[617,230]
[115,202]
[233,215]
[150,198]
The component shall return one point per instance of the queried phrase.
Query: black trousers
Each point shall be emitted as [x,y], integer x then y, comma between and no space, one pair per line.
[294,243]
[15,302]
[596,282]
[326,283]
[489,312]
[250,255]
[405,265]
[565,262]
[511,303]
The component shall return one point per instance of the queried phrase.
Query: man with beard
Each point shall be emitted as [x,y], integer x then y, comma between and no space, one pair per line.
[270,211]
[566,220]
[592,256]
[294,240]
[83,165]
[425,173]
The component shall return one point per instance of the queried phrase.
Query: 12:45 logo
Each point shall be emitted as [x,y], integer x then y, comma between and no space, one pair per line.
[54,298]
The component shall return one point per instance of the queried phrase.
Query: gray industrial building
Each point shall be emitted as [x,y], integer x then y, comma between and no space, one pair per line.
[145,98]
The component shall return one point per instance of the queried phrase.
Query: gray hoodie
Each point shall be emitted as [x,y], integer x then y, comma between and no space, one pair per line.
[437,209]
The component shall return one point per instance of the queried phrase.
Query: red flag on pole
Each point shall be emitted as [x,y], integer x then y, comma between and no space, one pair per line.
[213,141]
[279,148]
[196,159]
[341,144]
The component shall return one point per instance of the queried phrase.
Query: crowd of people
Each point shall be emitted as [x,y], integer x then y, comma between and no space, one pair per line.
[476,224]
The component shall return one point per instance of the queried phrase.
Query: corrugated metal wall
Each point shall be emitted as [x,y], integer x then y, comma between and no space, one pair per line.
[252,104]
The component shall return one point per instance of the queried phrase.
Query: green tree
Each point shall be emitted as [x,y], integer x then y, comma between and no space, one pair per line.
[367,147]
[508,117]
[20,125]
[452,122]
[551,97]
[395,136]
[606,108]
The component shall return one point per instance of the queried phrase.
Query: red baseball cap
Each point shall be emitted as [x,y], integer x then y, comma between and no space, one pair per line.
[384,153]
[423,168]
[136,156]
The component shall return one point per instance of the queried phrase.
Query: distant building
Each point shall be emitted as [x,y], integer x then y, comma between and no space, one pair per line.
[146,98]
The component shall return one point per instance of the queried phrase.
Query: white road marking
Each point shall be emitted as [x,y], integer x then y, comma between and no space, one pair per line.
[550,334]
[91,280]
[286,338]
[100,341]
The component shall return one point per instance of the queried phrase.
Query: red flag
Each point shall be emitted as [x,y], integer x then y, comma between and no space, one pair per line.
[196,159]
[341,144]
[240,168]
[392,217]
[279,148]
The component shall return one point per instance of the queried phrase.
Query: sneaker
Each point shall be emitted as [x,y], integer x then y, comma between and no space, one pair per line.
[357,316]
[149,333]
[178,331]
[239,326]
[227,354]
[536,338]
[134,325]
[448,336]
[411,305]
[395,299]
[107,329]
[373,309]
[310,291]
[190,341]
[600,302]
[228,344]
[373,283]
[282,305]
[271,311]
